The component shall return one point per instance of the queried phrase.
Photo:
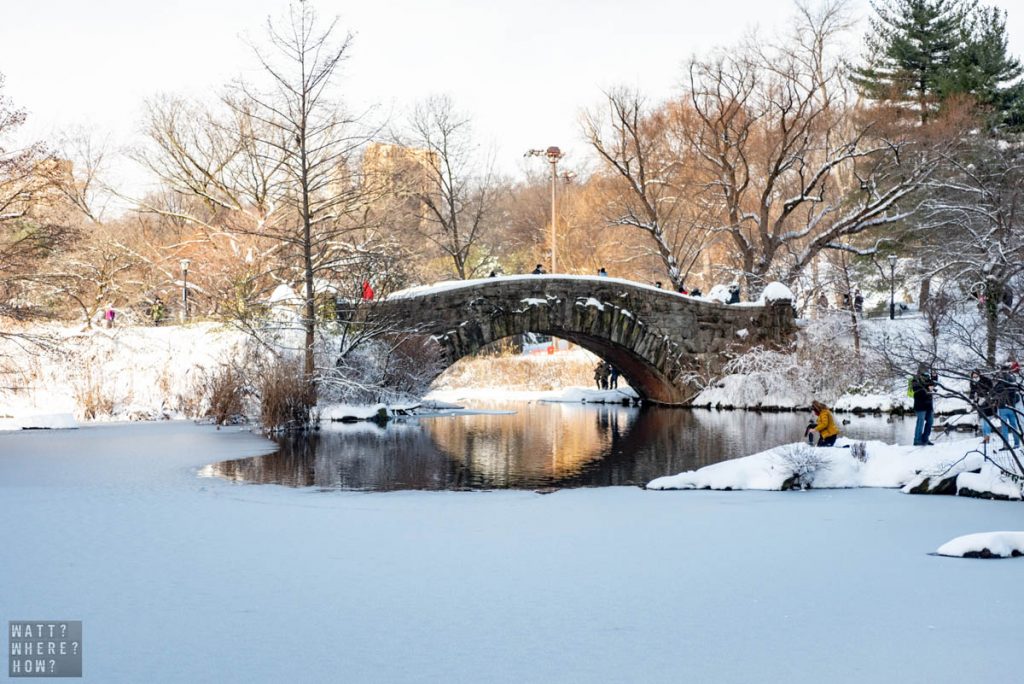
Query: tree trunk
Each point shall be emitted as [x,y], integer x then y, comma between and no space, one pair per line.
[924,293]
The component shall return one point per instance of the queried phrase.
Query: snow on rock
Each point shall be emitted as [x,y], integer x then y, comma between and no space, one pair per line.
[719,293]
[985,545]
[332,412]
[40,421]
[774,292]
[886,465]
[988,483]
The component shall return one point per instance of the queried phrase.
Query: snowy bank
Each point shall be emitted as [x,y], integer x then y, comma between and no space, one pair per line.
[881,465]
[565,395]
[985,545]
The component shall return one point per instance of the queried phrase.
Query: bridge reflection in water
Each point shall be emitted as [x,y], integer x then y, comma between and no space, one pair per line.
[541,445]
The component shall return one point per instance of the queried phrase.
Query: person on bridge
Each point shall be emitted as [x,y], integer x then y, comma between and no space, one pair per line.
[734,293]
[539,270]
[602,273]
[824,430]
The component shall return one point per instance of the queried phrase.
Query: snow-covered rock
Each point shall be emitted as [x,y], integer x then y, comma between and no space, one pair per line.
[985,545]
[774,292]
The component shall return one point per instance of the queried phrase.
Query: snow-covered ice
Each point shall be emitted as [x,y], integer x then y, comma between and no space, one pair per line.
[179,578]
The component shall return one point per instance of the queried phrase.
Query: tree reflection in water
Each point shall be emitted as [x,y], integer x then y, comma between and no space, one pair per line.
[541,445]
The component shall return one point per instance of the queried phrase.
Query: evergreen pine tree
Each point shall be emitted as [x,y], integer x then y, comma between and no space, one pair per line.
[922,52]
[984,69]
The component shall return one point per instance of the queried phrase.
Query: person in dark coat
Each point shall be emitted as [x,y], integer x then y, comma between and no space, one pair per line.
[923,386]
[734,294]
[1005,391]
[613,377]
[539,270]
[981,398]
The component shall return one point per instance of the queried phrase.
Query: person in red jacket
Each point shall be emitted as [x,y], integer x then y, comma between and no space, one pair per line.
[367,290]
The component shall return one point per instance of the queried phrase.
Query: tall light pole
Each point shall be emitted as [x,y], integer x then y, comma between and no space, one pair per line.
[892,287]
[553,154]
[184,289]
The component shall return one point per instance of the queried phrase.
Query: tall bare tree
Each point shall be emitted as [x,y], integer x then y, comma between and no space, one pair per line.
[455,188]
[652,188]
[281,164]
[793,164]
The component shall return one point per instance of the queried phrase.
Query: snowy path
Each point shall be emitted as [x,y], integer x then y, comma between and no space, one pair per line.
[180,579]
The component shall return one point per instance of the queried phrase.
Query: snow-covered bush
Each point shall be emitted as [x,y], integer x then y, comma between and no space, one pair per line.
[819,365]
[803,462]
[859,450]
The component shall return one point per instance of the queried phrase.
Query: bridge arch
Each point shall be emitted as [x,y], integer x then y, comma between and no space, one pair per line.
[660,341]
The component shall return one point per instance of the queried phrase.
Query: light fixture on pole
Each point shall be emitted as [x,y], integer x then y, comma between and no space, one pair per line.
[892,287]
[184,288]
[553,154]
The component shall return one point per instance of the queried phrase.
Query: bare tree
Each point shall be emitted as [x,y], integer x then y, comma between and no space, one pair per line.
[794,166]
[32,225]
[455,188]
[280,164]
[653,192]
[976,234]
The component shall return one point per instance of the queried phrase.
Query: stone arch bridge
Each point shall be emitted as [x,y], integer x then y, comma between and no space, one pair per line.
[660,341]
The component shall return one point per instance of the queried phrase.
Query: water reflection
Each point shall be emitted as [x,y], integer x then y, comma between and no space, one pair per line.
[541,445]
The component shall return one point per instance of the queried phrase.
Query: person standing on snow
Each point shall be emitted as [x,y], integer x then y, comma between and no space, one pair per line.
[613,377]
[1006,393]
[825,430]
[923,387]
[980,395]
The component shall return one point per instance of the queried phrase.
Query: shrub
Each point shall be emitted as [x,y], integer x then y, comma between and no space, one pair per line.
[224,390]
[286,398]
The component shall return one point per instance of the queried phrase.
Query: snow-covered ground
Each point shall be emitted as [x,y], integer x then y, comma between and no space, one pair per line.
[121,373]
[178,578]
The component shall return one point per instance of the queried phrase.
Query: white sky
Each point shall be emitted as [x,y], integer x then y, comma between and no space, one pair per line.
[523,69]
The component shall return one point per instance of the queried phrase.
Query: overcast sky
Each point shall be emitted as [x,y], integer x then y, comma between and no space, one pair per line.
[522,69]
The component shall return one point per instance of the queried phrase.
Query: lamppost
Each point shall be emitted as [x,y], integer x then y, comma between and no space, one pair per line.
[553,154]
[184,288]
[892,287]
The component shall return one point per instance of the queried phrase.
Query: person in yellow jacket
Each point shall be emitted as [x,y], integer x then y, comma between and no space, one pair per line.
[825,430]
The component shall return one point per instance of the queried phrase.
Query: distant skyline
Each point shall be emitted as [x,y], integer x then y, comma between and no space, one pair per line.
[522,71]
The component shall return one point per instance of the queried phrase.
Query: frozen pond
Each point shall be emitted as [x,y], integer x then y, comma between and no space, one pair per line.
[532,445]
[184,579]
